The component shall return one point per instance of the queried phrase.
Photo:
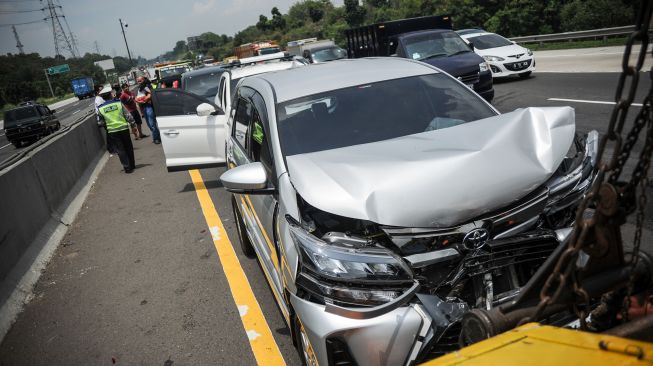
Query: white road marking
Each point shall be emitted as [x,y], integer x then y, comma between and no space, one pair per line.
[588,101]
[77,111]
[252,335]
[242,310]
[4,146]
[215,232]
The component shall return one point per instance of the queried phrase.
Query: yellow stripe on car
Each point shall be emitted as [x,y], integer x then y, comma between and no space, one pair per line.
[265,349]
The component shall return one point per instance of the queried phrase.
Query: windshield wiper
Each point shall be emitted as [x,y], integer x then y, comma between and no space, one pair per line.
[431,56]
[459,52]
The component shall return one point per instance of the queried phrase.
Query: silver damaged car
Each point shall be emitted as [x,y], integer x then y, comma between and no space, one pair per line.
[384,199]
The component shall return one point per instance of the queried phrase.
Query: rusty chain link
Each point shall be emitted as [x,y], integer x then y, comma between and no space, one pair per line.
[603,195]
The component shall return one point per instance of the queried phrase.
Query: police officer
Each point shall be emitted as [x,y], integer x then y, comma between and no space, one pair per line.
[117,121]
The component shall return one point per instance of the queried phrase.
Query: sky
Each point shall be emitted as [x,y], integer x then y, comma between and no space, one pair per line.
[153,25]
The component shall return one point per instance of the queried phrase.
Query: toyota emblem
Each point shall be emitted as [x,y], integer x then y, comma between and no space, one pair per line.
[476,238]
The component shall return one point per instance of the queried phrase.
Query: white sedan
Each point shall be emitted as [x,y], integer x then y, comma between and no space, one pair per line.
[505,57]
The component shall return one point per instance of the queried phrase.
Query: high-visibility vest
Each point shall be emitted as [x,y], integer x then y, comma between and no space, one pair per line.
[113,117]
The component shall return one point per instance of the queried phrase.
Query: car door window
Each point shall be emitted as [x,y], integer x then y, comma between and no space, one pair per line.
[43,111]
[259,146]
[175,102]
[242,119]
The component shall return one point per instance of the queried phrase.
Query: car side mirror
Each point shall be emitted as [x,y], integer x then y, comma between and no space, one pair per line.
[52,111]
[471,46]
[307,55]
[246,179]
[206,109]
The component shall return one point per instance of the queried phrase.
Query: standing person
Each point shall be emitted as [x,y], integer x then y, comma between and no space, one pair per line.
[144,100]
[117,120]
[127,99]
[98,102]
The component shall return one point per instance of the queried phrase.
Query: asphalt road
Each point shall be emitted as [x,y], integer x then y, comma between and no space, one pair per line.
[138,281]
[66,115]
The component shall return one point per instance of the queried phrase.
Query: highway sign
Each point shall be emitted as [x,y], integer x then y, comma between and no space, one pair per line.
[59,69]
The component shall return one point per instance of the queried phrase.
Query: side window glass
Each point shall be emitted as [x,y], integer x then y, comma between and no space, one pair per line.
[174,102]
[260,148]
[221,92]
[241,121]
[43,111]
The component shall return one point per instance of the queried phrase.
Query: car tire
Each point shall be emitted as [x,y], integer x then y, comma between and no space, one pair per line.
[300,342]
[17,144]
[245,243]
[525,75]
[58,126]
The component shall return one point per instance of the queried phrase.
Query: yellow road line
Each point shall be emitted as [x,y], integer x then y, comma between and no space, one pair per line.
[260,337]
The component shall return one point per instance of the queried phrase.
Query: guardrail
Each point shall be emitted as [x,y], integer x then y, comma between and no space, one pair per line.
[592,33]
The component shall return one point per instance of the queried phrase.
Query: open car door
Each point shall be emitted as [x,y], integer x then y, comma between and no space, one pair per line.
[192,129]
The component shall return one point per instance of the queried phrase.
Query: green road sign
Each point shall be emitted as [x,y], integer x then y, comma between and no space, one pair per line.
[59,69]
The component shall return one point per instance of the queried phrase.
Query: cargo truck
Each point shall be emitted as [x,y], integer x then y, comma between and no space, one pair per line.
[83,87]
[256,49]
[427,39]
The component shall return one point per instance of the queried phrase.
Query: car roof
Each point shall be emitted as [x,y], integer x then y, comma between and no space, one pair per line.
[470,31]
[202,71]
[471,35]
[244,71]
[322,77]
[424,31]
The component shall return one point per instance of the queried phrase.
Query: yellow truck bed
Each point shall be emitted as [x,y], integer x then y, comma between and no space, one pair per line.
[535,344]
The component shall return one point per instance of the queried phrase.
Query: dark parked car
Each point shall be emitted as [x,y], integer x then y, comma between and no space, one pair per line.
[29,122]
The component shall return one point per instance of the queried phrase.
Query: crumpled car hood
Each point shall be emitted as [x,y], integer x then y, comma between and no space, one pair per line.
[438,178]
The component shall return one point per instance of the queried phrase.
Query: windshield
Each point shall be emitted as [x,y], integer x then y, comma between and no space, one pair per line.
[174,71]
[489,41]
[19,114]
[376,112]
[435,44]
[205,85]
[328,54]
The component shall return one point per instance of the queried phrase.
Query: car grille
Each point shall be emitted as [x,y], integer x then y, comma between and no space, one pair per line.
[517,56]
[469,78]
[524,253]
[518,66]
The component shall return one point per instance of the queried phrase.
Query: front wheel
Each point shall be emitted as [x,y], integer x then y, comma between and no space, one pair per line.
[525,75]
[304,348]
[245,243]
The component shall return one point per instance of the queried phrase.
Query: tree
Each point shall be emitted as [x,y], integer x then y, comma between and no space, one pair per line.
[263,23]
[354,13]
[591,14]
[277,22]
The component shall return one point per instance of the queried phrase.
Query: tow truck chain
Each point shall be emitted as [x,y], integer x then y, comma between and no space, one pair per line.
[603,195]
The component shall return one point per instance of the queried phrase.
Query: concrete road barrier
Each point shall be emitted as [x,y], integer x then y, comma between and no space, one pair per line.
[34,188]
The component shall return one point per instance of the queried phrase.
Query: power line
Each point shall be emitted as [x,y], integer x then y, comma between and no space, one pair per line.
[32,22]
[20,11]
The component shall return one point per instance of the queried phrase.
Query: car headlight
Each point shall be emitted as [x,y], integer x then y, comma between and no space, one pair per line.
[483,66]
[493,58]
[529,52]
[346,274]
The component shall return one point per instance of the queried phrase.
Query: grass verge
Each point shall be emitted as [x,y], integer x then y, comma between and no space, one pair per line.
[563,45]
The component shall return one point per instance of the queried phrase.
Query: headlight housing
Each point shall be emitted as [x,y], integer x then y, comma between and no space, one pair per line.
[529,52]
[346,274]
[483,66]
[493,58]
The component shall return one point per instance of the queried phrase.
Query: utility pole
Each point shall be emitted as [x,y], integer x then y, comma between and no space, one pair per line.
[47,77]
[18,44]
[97,47]
[61,39]
[131,64]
